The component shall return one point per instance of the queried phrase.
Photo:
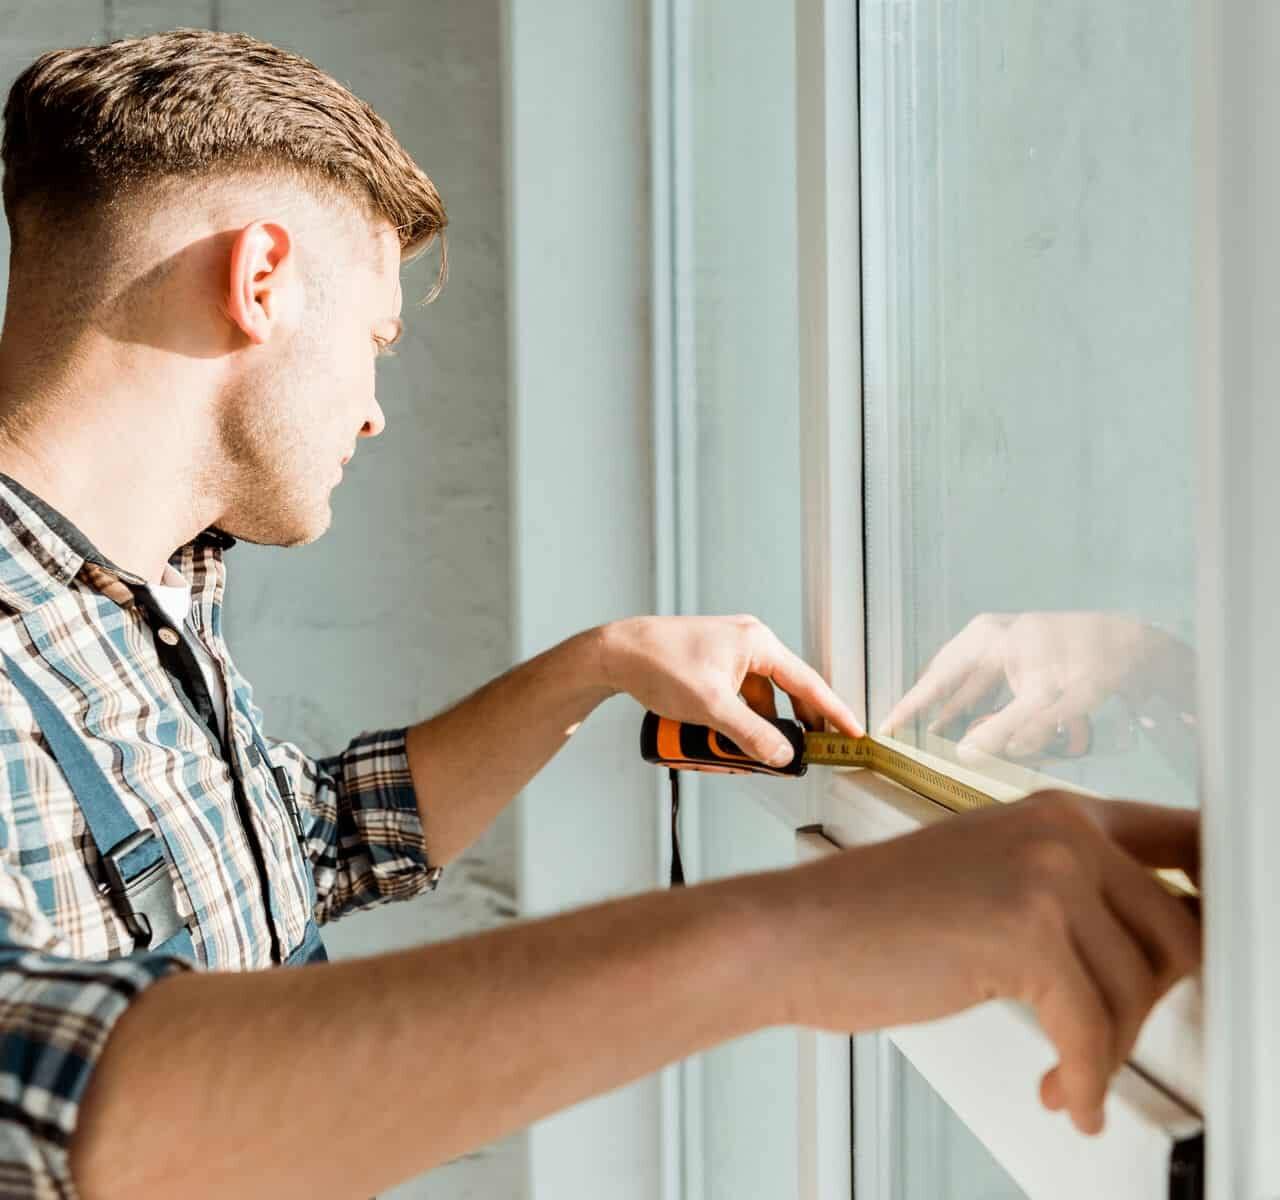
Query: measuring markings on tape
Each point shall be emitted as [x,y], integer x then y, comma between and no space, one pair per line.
[840,750]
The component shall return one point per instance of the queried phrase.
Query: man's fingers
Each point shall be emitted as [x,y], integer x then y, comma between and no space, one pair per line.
[1051,1090]
[1127,978]
[1135,950]
[758,692]
[752,734]
[1164,927]
[1077,1020]
[1132,943]
[810,693]
[1154,834]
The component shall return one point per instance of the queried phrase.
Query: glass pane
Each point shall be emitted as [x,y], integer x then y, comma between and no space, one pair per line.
[935,1157]
[1028,299]
[745,352]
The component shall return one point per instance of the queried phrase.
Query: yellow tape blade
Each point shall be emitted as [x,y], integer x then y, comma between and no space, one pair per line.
[906,766]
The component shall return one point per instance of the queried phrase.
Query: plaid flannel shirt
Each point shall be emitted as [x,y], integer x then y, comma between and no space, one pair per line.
[86,632]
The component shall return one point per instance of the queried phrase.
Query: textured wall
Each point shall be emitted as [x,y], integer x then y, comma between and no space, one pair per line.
[403,607]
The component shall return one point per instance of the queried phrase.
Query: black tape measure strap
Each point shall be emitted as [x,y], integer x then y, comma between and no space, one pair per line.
[677,867]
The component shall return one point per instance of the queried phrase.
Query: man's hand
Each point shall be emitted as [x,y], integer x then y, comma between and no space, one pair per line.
[696,669]
[719,671]
[1049,901]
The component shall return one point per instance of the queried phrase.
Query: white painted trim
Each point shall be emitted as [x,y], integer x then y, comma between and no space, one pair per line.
[995,1096]
[672,41]
[882,340]
[684,277]
[830,389]
[986,1064]
[827,176]
[873,1077]
[663,391]
[825,1084]
[582,503]
[664,492]
[1239,351]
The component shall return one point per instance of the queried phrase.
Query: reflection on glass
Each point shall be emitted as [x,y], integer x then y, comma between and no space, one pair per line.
[935,1155]
[1028,299]
[1045,689]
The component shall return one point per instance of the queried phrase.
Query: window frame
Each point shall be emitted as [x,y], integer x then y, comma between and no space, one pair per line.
[849,808]
[854,808]
[1238,160]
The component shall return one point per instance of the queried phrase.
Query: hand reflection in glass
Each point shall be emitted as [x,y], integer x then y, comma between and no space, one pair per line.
[1058,669]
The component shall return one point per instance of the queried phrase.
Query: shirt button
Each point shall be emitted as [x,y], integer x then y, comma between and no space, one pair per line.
[168,637]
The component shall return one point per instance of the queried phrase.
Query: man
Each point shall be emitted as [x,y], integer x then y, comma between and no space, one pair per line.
[207,234]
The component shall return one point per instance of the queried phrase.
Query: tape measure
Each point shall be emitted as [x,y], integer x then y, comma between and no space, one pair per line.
[680,746]
[686,747]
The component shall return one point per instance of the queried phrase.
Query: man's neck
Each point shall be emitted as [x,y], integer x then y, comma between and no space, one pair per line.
[129,481]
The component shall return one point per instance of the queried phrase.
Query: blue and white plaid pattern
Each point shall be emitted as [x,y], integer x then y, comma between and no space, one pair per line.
[69,619]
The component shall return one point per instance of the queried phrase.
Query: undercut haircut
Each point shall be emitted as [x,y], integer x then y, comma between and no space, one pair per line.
[87,129]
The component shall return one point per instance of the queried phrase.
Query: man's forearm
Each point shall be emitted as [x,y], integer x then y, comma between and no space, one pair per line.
[345,1078]
[534,708]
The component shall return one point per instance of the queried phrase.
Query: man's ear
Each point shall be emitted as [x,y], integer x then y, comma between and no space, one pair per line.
[263,279]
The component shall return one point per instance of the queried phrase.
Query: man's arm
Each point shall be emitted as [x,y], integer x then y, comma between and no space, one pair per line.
[345,1078]
[533,709]
[687,668]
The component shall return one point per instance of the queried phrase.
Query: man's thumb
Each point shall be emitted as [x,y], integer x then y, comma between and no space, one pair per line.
[760,740]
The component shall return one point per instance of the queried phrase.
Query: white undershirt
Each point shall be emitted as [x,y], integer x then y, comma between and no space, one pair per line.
[174,598]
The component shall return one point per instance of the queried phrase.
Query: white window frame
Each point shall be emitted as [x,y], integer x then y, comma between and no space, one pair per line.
[958,1056]
[1238,158]
[1039,1149]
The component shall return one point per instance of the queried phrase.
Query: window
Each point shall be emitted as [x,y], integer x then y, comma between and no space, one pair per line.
[933,290]
[1029,311]
[935,1157]
[1029,324]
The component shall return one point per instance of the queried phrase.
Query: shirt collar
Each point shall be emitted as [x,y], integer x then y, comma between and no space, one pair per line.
[41,551]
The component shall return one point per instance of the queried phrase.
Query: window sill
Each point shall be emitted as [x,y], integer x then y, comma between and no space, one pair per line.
[986,1062]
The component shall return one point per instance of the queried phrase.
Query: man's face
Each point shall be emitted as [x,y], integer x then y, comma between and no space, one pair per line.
[300,410]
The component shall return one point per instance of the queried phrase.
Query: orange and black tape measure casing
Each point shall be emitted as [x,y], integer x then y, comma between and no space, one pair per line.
[686,747]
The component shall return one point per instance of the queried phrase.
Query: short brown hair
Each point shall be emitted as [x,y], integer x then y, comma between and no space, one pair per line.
[88,125]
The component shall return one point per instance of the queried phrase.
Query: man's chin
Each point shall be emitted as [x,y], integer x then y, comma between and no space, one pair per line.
[297,533]
[312,532]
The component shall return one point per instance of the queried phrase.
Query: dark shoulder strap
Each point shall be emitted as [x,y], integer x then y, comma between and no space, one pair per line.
[139,879]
